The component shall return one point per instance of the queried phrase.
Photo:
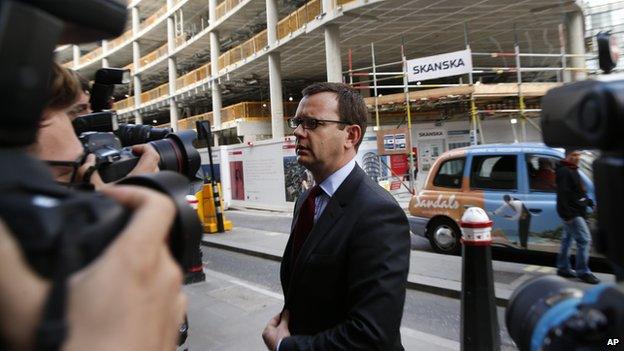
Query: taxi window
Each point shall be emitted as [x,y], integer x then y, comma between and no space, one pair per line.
[541,172]
[494,172]
[450,173]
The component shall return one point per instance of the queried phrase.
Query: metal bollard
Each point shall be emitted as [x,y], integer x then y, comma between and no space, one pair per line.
[479,321]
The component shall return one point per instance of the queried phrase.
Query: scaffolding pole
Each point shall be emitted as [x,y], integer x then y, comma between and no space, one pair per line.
[409,119]
[375,86]
[562,49]
[350,67]
[473,105]
[521,104]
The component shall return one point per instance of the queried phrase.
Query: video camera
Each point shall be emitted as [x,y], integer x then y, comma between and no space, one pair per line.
[106,138]
[551,313]
[61,230]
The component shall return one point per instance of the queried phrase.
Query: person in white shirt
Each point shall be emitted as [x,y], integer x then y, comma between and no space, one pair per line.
[519,213]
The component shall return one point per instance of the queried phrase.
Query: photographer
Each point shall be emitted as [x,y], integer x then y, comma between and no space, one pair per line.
[58,142]
[121,301]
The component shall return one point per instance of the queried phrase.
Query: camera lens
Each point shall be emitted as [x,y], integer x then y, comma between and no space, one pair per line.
[178,154]
[132,134]
[531,301]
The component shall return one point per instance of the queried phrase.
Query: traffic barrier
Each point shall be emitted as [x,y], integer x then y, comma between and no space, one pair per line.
[206,209]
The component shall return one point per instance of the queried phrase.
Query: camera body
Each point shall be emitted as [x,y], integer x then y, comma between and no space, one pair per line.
[112,161]
[549,312]
[103,135]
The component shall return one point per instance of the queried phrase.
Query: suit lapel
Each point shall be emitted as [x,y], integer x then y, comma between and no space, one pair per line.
[333,211]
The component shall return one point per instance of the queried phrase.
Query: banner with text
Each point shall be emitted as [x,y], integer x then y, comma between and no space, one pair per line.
[438,66]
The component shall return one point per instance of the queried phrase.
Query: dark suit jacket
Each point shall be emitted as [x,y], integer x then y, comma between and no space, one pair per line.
[347,289]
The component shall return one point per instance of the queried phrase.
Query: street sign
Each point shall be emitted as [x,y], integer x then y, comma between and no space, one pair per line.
[438,66]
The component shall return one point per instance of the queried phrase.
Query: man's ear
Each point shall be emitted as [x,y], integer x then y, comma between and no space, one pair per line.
[354,135]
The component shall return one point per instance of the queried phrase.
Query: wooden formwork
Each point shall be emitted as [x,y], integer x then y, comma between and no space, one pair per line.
[248,110]
[90,55]
[261,40]
[124,104]
[160,91]
[153,18]
[120,40]
[155,55]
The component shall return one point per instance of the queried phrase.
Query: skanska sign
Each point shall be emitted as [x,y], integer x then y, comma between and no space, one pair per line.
[438,66]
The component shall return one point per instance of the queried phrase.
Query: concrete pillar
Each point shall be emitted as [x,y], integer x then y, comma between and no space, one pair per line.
[76,53]
[332,53]
[136,55]
[173,72]
[277,104]
[105,52]
[275,73]
[575,45]
[271,11]
[136,20]
[217,103]
[173,114]
[212,11]
[328,6]
[136,61]
[215,52]
[138,119]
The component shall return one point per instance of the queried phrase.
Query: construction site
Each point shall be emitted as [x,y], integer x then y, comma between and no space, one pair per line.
[241,64]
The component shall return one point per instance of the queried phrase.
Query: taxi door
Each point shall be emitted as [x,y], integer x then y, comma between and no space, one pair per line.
[539,194]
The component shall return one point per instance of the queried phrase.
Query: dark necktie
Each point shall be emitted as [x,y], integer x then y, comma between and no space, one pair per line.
[305,221]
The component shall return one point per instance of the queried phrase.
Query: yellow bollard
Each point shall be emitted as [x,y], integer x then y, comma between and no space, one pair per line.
[206,209]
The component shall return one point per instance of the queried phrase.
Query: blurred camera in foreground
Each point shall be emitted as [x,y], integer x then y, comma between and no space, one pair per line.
[550,313]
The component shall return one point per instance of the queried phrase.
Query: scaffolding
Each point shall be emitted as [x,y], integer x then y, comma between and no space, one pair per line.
[475,96]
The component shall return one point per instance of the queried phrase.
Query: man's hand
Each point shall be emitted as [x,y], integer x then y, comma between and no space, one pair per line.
[94,177]
[130,298]
[276,330]
[22,295]
[148,161]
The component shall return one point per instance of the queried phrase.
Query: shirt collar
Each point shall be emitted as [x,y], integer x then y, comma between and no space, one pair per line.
[331,184]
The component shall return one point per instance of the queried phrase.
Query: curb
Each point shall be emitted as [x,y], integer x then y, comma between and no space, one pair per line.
[427,288]
[249,252]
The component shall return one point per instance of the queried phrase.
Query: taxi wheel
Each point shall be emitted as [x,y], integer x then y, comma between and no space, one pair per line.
[444,235]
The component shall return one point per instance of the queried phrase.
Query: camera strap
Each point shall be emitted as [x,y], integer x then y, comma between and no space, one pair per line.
[52,330]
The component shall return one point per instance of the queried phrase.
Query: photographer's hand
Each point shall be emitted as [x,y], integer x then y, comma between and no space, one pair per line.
[94,177]
[148,161]
[130,298]
[22,295]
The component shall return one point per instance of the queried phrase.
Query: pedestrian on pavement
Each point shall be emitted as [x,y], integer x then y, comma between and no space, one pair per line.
[344,269]
[572,204]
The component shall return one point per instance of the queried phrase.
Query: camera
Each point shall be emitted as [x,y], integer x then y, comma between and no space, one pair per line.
[551,313]
[59,229]
[109,141]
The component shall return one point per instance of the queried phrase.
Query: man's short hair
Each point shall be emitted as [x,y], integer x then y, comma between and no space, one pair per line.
[63,89]
[351,105]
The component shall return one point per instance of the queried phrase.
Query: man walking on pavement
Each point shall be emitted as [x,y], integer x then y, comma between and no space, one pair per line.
[572,203]
[344,269]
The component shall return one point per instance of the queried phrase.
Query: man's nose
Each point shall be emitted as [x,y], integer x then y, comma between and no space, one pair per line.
[299,131]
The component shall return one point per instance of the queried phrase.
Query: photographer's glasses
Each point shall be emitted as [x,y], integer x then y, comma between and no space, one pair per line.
[310,123]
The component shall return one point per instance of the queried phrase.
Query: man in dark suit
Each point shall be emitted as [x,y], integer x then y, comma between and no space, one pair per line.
[344,269]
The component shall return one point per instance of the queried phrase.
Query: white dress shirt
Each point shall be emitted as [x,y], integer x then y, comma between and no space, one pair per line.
[329,186]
